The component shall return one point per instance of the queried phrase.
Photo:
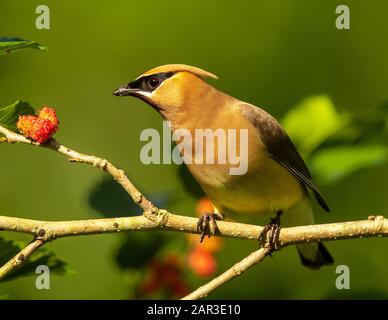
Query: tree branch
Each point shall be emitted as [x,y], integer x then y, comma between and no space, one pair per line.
[375,226]
[158,219]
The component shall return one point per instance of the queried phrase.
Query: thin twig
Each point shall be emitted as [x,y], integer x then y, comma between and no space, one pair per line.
[22,256]
[253,259]
[74,156]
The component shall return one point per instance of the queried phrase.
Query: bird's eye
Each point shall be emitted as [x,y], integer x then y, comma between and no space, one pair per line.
[153,82]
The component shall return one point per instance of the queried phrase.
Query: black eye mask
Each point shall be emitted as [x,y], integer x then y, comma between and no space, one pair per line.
[150,83]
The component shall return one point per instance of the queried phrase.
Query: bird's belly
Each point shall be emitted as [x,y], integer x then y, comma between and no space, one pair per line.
[265,189]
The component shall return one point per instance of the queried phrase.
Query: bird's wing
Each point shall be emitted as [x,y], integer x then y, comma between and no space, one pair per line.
[280,147]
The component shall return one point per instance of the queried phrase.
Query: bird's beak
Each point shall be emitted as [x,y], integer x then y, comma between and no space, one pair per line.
[125,91]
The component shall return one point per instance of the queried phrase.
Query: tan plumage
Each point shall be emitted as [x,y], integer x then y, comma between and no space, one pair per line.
[179,67]
[277,178]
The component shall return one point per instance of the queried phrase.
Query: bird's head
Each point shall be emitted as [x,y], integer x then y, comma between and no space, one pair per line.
[169,87]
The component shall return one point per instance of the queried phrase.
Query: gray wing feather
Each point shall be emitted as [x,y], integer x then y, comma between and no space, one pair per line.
[281,148]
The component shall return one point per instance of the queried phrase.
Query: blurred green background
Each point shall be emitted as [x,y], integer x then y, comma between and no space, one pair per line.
[272,54]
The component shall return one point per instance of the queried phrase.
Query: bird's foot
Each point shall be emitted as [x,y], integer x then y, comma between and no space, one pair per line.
[271,233]
[207,224]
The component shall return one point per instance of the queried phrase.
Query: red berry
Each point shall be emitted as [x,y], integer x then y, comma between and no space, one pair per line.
[165,275]
[39,128]
[49,114]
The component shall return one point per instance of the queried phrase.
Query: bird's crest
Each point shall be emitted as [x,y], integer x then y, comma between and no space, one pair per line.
[177,68]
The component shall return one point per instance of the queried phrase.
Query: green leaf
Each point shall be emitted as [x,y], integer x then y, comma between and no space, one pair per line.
[9,115]
[9,249]
[312,122]
[9,44]
[372,123]
[332,164]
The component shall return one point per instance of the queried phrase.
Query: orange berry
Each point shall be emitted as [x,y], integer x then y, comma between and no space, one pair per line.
[204,206]
[202,262]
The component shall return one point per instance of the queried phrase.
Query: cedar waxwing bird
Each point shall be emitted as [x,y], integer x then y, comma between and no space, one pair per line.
[276,180]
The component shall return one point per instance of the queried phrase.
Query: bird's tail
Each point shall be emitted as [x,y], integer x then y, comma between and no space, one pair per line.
[312,255]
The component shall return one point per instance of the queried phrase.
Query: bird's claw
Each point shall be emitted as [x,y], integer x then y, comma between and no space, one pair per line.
[271,232]
[207,225]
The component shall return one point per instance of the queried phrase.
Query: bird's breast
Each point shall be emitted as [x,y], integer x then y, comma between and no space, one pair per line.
[264,188]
